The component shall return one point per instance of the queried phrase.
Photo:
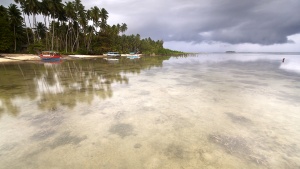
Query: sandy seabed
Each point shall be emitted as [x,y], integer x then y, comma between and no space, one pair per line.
[189,113]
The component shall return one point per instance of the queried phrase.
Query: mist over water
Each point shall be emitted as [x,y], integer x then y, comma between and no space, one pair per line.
[196,111]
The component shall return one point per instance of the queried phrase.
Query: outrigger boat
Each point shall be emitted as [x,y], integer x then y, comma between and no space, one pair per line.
[50,56]
[112,54]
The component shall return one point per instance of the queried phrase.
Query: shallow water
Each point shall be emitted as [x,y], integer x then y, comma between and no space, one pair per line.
[196,111]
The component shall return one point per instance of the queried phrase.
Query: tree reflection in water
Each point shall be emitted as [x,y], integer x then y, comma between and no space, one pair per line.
[52,85]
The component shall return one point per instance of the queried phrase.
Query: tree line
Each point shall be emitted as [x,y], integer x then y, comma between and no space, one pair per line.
[69,28]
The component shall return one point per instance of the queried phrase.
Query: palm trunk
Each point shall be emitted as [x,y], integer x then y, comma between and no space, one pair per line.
[67,42]
[67,38]
[31,28]
[26,28]
[46,33]
[76,41]
[77,46]
[37,32]
[34,26]
[48,40]
[89,41]
[52,34]
[15,38]
[57,44]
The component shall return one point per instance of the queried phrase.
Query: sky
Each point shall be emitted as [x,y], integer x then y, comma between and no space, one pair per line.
[209,25]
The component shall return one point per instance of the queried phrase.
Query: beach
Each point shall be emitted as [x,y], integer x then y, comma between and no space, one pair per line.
[6,58]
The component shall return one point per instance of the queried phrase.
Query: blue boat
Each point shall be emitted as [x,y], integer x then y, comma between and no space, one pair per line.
[50,56]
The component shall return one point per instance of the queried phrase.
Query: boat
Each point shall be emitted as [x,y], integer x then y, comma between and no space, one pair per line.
[111,54]
[133,56]
[50,56]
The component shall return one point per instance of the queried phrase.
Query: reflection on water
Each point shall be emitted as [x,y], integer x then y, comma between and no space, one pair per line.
[196,111]
[52,84]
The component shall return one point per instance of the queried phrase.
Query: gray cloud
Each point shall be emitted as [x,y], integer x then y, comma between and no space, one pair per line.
[231,21]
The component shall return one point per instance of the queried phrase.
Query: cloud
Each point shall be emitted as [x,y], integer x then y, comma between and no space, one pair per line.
[214,46]
[230,21]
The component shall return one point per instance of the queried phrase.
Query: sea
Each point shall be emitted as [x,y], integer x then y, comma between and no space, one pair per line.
[205,110]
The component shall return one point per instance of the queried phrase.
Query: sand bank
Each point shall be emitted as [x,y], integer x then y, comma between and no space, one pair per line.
[18,57]
[31,57]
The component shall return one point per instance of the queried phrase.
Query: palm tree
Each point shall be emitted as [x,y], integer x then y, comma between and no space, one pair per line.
[15,19]
[123,27]
[55,8]
[33,7]
[81,21]
[104,17]
[44,10]
[91,30]
[71,16]
[41,30]
[95,16]
[84,24]
[25,10]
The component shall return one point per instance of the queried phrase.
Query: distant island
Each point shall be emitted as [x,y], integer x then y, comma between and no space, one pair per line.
[68,28]
[230,51]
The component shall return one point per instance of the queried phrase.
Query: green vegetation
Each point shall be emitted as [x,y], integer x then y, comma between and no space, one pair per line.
[69,28]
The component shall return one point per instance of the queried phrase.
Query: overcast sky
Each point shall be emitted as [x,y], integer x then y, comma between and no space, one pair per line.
[209,25]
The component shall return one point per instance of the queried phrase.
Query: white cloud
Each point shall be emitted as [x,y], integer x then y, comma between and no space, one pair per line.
[245,47]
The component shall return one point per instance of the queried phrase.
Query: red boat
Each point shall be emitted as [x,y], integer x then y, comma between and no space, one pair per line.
[50,55]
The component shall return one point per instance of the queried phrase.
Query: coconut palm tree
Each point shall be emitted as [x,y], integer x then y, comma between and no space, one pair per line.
[95,16]
[90,30]
[71,16]
[33,8]
[25,10]
[103,17]
[123,28]
[55,8]
[44,10]
[41,30]
[81,22]
[15,19]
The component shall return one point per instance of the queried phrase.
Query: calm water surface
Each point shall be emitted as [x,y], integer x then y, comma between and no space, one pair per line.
[201,111]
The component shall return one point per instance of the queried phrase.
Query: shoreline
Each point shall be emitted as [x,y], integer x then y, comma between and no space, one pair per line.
[15,58]
[9,58]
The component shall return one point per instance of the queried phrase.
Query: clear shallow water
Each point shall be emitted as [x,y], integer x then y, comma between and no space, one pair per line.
[200,111]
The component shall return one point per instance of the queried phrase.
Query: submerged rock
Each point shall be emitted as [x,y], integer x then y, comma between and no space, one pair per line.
[122,129]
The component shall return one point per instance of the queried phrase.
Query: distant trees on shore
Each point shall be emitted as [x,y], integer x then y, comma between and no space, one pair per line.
[69,28]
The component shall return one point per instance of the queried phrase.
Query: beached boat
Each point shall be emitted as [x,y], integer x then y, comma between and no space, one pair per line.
[133,56]
[50,55]
[111,54]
